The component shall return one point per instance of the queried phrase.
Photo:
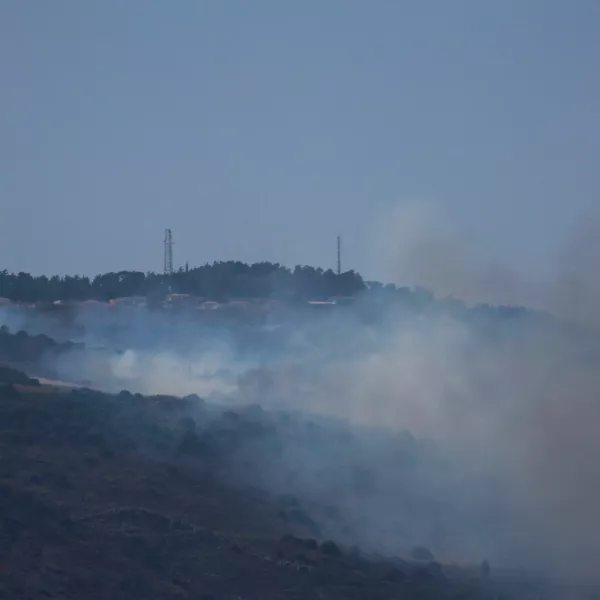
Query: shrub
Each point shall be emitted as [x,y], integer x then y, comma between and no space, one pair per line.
[191,444]
[330,548]
[187,424]
[311,544]
[8,375]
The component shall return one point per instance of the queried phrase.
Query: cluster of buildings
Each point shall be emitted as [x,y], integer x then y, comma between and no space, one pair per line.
[177,302]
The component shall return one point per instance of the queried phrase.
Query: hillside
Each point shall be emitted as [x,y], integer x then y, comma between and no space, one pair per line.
[95,508]
[253,492]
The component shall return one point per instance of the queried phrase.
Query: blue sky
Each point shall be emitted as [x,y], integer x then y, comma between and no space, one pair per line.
[260,130]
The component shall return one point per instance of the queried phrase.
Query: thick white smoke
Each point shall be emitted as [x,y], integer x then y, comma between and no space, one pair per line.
[510,406]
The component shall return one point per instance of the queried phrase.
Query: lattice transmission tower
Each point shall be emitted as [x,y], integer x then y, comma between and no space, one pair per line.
[339,255]
[168,252]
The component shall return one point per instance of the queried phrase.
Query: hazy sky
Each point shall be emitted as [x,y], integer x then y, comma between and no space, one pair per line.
[258,130]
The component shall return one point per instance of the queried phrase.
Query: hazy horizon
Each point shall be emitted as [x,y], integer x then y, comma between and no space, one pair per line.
[261,132]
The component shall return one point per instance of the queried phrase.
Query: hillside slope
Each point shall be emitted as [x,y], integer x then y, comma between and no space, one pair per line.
[99,501]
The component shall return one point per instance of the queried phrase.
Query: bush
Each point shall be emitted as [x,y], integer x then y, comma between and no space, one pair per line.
[311,544]
[194,398]
[187,424]
[191,444]
[330,549]
[8,375]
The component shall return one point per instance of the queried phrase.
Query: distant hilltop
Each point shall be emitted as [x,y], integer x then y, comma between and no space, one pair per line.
[217,282]
[226,289]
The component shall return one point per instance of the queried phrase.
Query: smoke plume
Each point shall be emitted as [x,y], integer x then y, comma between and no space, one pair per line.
[470,431]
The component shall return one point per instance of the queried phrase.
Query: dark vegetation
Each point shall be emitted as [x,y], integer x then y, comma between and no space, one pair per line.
[125,496]
[129,497]
[224,281]
[21,347]
[11,376]
[370,302]
[219,281]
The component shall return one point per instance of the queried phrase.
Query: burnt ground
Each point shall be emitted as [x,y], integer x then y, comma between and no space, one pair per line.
[123,497]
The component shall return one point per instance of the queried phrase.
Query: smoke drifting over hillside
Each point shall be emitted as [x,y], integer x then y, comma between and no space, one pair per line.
[419,245]
[463,430]
[577,288]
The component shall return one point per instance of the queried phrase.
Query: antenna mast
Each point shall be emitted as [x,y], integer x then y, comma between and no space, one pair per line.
[339,255]
[168,252]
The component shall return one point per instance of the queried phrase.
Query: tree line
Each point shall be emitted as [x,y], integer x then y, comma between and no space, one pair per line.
[218,281]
